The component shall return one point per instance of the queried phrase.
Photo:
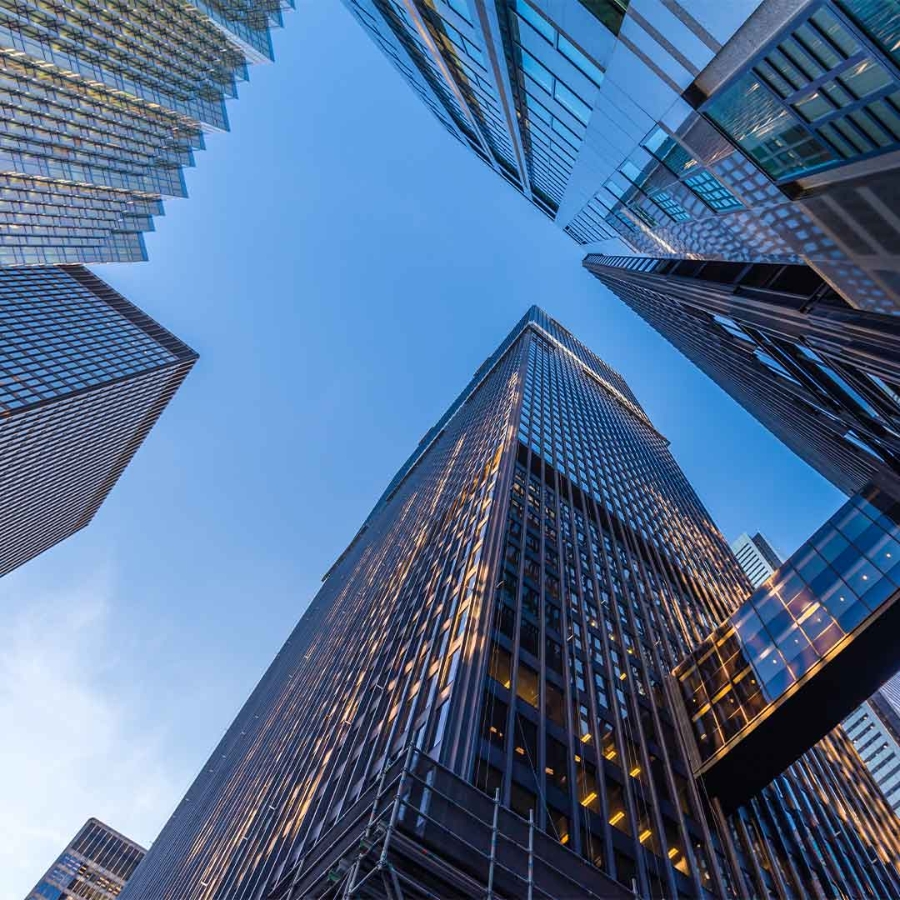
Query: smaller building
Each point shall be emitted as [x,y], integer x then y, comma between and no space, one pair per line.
[876,741]
[96,864]
[756,557]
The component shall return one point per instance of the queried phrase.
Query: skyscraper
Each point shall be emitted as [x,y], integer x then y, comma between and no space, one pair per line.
[756,557]
[821,375]
[84,375]
[750,130]
[95,865]
[503,626]
[103,106]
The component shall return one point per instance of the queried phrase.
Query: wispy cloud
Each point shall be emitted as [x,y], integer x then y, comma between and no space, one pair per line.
[73,743]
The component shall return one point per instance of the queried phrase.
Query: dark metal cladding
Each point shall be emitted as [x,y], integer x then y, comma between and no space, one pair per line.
[504,627]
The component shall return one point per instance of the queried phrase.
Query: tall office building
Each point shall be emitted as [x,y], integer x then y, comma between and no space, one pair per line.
[756,557]
[95,866]
[820,375]
[503,626]
[102,107]
[84,375]
[754,130]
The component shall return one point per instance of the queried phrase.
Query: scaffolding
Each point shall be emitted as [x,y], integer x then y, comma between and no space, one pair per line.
[423,833]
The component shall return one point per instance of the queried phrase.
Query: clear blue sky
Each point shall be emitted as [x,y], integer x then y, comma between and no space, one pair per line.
[342,266]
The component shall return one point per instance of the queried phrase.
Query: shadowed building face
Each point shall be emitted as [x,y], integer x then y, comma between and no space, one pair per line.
[85,375]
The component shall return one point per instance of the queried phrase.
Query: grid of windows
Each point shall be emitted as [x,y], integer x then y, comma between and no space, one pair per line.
[559,85]
[95,866]
[59,337]
[85,375]
[103,107]
[878,749]
[516,627]
[844,574]
[820,97]
[764,333]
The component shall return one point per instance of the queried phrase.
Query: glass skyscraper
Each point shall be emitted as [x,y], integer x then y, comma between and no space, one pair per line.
[749,130]
[84,375]
[95,866]
[478,699]
[821,375]
[103,105]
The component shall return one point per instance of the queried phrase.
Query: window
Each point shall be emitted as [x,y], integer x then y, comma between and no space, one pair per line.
[556,765]
[493,728]
[555,704]
[609,12]
[527,685]
[500,665]
[548,31]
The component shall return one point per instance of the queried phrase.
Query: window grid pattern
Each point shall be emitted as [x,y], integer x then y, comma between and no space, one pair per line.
[59,337]
[495,615]
[559,84]
[103,106]
[820,97]
[827,589]
[85,375]
[831,404]
[95,866]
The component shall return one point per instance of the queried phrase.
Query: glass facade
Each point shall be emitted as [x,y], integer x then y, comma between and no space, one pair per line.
[819,374]
[678,131]
[821,95]
[508,616]
[84,375]
[104,105]
[795,622]
[96,865]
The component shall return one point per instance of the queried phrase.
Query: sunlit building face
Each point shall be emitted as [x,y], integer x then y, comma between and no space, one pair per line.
[492,650]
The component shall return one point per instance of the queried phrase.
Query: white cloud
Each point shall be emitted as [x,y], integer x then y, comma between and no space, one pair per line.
[73,744]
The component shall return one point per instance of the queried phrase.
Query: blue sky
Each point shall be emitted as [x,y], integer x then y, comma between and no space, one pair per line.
[342,266]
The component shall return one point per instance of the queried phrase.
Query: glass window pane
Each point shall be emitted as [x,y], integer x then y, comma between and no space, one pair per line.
[536,20]
[538,72]
[575,56]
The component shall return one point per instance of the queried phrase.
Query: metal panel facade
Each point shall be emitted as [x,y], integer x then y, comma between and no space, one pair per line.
[747,130]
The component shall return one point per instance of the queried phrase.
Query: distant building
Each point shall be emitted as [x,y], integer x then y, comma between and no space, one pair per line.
[875,731]
[104,105]
[95,866]
[756,557]
[752,130]
[84,375]
[485,670]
